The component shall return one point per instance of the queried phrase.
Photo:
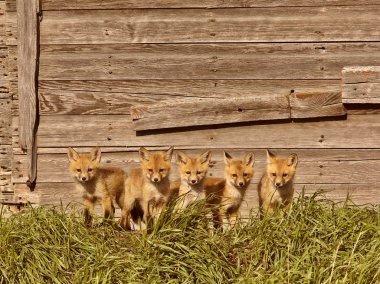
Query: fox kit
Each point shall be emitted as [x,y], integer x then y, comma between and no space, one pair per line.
[103,184]
[193,171]
[238,175]
[276,186]
[149,186]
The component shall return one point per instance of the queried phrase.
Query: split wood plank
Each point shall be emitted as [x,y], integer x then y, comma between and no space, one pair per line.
[357,131]
[116,97]
[278,24]
[202,61]
[313,169]
[195,112]
[361,85]
[143,4]
[316,104]
[27,17]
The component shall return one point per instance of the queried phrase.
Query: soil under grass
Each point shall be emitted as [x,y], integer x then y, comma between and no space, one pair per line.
[318,241]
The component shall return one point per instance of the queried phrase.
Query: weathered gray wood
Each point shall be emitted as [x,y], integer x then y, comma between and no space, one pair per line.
[193,112]
[316,104]
[116,97]
[203,61]
[357,131]
[361,84]
[135,4]
[315,166]
[279,24]
[27,17]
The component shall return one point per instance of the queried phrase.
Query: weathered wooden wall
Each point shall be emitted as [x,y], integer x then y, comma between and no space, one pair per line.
[6,188]
[99,58]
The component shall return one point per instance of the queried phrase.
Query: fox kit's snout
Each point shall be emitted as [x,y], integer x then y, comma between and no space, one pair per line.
[193,170]
[84,166]
[155,166]
[280,170]
[239,172]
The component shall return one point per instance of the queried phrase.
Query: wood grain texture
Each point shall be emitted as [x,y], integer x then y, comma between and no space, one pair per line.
[361,84]
[27,19]
[202,61]
[316,104]
[194,112]
[278,24]
[357,131]
[65,194]
[116,97]
[143,4]
[315,166]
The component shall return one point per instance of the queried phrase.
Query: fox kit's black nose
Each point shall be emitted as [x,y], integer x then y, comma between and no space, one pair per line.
[83,178]
[155,179]
[241,183]
[278,183]
[193,181]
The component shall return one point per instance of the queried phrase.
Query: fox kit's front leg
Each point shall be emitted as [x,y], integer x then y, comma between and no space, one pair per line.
[89,203]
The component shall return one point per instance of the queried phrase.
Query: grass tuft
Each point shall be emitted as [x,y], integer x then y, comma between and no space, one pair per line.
[317,241]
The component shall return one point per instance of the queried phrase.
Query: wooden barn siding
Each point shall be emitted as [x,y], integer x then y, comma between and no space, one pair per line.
[92,71]
[5,115]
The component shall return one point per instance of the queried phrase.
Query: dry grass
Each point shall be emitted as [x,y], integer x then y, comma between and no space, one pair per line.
[317,242]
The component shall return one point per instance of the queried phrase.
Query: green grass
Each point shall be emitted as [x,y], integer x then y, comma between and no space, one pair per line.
[317,242]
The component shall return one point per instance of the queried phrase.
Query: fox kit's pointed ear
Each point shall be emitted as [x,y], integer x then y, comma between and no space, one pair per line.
[96,154]
[249,159]
[227,158]
[144,154]
[292,160]
[168,154]
[205,157]
[181,157]
[73,156]
[270,156]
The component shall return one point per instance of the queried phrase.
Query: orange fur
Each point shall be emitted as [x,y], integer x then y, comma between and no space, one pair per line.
[276,185]
[149,186]
[98,184]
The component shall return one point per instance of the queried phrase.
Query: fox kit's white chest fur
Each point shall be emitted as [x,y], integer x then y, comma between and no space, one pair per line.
[190,193]
[91,189]
[233,195]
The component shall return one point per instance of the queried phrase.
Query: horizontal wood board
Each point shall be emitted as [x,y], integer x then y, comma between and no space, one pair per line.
[274,24]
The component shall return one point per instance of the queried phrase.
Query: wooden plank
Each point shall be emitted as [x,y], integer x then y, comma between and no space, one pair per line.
[116,97]
[361,85]
[315,166]
[143,4]
[279,24]
[203,61]
[65,194]
[195,112]
[27,19]
[357,131]
[316,104]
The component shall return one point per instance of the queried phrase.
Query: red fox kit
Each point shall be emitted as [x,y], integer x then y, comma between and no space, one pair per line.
[276,186]
[149,186]
[193,171]
[103,184]
[238,175]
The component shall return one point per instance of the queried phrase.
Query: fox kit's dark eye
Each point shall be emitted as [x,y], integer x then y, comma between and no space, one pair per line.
[274,174]
[161,170]
[245,174]
[284,174]
[78,170]
[188,172]
[198,172]
[150,170]
[90,170]
[234,175]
